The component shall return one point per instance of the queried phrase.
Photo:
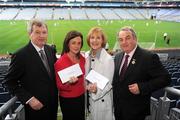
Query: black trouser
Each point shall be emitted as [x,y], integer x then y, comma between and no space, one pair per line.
[129,117]
[126,114]
[73,108]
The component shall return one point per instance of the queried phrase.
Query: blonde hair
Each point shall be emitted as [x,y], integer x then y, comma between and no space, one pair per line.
[97,30]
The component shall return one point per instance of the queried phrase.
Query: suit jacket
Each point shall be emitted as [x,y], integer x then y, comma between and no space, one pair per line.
[101,103]
[145,69]
[27,77]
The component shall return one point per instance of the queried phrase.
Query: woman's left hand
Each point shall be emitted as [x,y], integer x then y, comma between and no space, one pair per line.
[92,87]
[73,80]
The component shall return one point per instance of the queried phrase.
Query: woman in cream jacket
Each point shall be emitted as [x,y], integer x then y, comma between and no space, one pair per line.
[100,104]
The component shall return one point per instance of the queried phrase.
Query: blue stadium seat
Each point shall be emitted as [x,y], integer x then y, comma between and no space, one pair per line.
[174,81]
[176,74]
[4,97]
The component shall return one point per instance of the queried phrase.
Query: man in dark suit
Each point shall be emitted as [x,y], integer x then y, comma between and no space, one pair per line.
[136,77]
[31,75]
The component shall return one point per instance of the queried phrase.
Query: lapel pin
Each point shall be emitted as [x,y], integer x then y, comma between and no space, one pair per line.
[133,61]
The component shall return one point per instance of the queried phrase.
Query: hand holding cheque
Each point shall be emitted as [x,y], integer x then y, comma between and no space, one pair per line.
[70,74]
[95,77]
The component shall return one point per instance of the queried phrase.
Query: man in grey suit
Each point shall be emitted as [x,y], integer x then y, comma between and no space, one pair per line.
[31,75]
[138,73]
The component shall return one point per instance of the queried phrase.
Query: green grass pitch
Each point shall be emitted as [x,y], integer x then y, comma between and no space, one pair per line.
[13,34]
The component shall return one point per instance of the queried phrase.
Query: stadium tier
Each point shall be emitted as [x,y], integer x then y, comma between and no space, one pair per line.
[89,14]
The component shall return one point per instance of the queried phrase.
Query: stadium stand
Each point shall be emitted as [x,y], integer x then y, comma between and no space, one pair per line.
[88,14]
[108,14]
[91,15]
[26,14]
[77,14]
[4,95]
[44,13]
[8,14]
[61,14]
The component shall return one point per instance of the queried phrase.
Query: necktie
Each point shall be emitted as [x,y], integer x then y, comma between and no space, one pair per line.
[44,60]
[124,67]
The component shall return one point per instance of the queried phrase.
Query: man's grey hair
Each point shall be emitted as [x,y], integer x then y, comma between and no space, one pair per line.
[130,29]
[36,22]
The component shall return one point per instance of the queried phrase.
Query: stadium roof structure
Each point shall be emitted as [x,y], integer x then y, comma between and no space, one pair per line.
[91,4]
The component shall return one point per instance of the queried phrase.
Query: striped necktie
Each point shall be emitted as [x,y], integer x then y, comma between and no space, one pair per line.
[44,60]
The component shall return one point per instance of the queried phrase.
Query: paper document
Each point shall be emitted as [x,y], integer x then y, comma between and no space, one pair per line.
[67,73]
[95,77]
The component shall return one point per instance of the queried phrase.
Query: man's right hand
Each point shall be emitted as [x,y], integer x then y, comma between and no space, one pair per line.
[35,104]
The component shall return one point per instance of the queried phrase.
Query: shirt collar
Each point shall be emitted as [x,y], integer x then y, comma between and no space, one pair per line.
[132,52]
[37,48]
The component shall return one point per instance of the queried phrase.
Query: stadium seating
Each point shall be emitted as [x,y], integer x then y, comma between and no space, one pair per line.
[88,14]
[44,13]
[4,95]
[61,14]
[78,14]
[26,14]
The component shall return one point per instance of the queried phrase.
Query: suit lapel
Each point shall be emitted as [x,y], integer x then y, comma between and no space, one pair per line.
[118,62]
[132,63]
[36,56]
[49,58]
[48,55]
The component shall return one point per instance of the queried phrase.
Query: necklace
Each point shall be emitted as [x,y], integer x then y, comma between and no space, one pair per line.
[93,54]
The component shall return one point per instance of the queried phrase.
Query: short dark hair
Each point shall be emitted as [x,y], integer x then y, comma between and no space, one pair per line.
[130,29]
[69,36]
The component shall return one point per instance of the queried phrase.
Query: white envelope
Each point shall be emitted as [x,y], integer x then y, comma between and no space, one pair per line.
[95,77]
[72,71]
